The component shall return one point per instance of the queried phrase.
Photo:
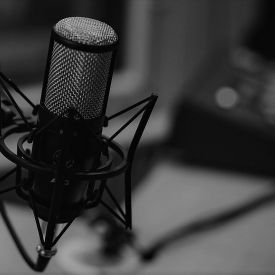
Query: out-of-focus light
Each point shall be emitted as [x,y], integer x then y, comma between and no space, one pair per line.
[226,97]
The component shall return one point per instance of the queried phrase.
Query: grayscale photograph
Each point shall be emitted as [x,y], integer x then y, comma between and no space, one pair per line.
[136,137]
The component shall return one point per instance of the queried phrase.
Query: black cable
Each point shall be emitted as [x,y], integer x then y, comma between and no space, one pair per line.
[15,237]
[206,224]
[41,261]
[16,89]
[20,112]
[2,178]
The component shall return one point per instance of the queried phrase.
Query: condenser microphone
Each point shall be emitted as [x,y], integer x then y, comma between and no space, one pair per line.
[65,168]
[74,96]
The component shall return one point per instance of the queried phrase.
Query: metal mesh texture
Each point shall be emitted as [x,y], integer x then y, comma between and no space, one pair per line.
[78,79]
[86,31]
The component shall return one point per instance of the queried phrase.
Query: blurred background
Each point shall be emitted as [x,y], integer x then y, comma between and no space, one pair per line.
[203,175]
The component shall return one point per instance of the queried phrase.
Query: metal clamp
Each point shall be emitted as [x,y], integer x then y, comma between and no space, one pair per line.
[45,252]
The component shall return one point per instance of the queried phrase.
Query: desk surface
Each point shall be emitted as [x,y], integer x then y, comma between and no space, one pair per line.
[171,195]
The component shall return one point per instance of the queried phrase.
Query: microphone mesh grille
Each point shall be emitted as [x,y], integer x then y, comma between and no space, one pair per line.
[86,31]
[78,79]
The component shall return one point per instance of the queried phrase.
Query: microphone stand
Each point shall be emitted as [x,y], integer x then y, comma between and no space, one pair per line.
[24,187]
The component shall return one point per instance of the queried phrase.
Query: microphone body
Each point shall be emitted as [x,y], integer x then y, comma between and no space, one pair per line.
[74,99]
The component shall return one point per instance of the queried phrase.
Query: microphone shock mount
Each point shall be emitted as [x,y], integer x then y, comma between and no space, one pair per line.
[114,161]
